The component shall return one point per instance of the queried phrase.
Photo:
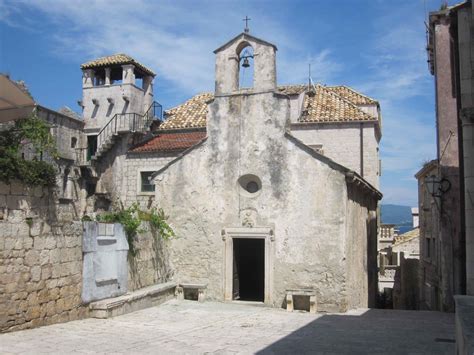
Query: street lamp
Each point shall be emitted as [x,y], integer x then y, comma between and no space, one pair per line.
[436,186]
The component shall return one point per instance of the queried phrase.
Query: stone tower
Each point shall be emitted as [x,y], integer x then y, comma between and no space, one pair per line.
[117,98]
[228,59]
[111,85]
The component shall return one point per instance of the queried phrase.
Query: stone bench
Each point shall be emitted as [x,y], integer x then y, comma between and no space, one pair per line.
[133,301]
[182,288]
[303,293]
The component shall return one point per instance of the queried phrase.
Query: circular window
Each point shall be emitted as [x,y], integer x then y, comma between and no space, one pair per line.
[250,184]
[251,187]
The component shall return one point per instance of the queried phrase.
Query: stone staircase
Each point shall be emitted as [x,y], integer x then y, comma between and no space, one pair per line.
[119,124]
[123,123]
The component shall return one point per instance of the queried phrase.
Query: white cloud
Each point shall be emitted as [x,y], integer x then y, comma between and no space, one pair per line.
[175,39]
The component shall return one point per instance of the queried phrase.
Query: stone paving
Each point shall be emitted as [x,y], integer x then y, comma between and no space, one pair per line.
[192,327]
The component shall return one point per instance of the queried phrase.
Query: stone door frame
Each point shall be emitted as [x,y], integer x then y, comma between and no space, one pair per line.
[228,235]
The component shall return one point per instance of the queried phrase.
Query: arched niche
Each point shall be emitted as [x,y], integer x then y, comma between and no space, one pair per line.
[246,70]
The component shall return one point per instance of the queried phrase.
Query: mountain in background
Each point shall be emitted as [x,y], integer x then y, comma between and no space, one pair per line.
[398,215]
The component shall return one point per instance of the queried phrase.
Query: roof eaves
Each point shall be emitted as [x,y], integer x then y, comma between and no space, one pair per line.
[244,35]
[179,157]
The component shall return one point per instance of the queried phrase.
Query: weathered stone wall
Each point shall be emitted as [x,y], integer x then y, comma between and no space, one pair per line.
[151,264]
[40,259]
[361,248]
[136,163]
[64,129]
[348,154]
[305,208]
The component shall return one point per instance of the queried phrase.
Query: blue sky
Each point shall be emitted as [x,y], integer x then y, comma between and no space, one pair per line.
[375,46]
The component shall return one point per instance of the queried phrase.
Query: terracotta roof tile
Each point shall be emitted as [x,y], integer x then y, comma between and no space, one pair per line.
[191,114]
[329,104]
[353,96]
[116,59]
[405,237]
[169,142]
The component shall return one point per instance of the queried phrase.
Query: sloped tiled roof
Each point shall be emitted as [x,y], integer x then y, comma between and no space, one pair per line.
[405,237]
[329,104]
[191,114]
[116,59]
[351,95]
[169,142]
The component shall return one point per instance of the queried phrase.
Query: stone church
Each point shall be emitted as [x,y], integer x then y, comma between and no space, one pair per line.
[270,189]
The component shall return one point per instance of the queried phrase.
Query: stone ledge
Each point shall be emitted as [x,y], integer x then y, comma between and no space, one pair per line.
[133,301]
[464,324]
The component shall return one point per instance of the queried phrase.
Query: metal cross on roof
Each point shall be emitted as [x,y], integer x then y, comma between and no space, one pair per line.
[246,19]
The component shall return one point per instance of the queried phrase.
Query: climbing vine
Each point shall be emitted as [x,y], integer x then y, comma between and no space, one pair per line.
[132,217]
[29,132]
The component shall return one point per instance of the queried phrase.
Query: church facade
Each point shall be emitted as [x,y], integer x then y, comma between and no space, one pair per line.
[269,188]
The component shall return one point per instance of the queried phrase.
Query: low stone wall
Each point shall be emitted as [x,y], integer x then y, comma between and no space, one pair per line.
[151,264]
[40,259]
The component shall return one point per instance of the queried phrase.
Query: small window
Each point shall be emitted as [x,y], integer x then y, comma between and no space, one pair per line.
[250,184]
[73,142]
[146,185]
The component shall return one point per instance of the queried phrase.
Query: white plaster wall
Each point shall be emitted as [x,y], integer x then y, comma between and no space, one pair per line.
[306,208]
[97,118]
[370,110]
[296,105]
[341,142]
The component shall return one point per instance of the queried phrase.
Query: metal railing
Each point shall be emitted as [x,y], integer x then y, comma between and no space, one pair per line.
[129,122]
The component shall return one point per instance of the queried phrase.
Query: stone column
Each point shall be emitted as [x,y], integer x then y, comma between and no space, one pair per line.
[88,78]
[148,88]
[128,74]
[467,116]
[107,76]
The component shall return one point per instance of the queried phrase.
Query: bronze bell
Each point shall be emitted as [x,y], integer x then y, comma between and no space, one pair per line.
[246,63]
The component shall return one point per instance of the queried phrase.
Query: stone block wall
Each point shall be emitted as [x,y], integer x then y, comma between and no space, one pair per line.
[151,262]
[135,163]
[40,259]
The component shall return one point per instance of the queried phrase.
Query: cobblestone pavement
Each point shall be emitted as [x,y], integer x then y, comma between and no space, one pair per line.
[191,327]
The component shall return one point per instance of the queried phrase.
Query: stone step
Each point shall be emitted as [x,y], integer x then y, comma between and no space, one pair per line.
[133,301]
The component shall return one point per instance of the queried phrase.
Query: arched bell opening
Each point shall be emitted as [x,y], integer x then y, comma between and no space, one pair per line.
[245,54]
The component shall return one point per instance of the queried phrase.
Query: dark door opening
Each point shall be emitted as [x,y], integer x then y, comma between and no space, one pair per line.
[249,269]
[91,146]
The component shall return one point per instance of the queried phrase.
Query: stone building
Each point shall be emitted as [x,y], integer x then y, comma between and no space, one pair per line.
[450,49]
[251,222]
[445,209]
[299,125]
[398,256]
[270,189]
